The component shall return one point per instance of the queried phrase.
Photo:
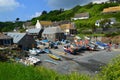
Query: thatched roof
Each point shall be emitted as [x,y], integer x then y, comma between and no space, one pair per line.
[86,14]
[67,26]
[111,9]
[46,23]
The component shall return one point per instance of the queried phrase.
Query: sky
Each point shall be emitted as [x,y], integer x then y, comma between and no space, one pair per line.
[27,9]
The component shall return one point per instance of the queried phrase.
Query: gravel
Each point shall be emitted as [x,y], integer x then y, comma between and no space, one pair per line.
[86,62]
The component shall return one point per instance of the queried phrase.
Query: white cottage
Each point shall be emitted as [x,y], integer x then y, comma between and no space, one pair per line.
[37,31]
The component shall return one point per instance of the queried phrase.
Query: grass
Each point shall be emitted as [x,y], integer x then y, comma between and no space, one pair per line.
[111,71]
[15,71]
[99,35]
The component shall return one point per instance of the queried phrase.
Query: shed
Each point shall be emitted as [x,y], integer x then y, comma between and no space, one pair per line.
[23,40]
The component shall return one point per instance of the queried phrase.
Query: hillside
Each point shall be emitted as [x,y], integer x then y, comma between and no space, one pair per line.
[94,10]
[96,14]
[61,14]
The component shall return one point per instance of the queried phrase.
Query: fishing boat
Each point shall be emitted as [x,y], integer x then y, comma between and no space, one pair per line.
[54,57]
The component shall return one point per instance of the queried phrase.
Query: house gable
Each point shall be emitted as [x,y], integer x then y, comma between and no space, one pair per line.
[38,25]
[27,42]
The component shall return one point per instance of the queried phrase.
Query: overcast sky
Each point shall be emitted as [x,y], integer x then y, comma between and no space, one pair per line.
[26,9]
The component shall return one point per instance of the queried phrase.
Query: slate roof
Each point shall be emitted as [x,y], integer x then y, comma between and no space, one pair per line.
[34,30]
[61,22]
[16,36]
[52,30]
[2,36]
[81,15]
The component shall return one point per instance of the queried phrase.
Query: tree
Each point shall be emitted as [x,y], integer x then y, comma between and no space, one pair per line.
[61,10]
[17,19]
[44,12]
[76,8]
[88,6]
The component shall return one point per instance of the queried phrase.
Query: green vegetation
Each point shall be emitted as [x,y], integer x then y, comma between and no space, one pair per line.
[9,26]
[95,11]
[19,72]
[14,71]
[111,71]
[112,34]
[6,26]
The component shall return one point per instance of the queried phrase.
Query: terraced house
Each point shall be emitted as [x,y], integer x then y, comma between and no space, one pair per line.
[5,40]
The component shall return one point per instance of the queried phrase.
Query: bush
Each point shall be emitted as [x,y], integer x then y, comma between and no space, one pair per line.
[111,71]
[112,34]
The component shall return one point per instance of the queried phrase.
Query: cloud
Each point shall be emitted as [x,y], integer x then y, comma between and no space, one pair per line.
[36,14]
[67,4]
[99,1]
[8,5]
